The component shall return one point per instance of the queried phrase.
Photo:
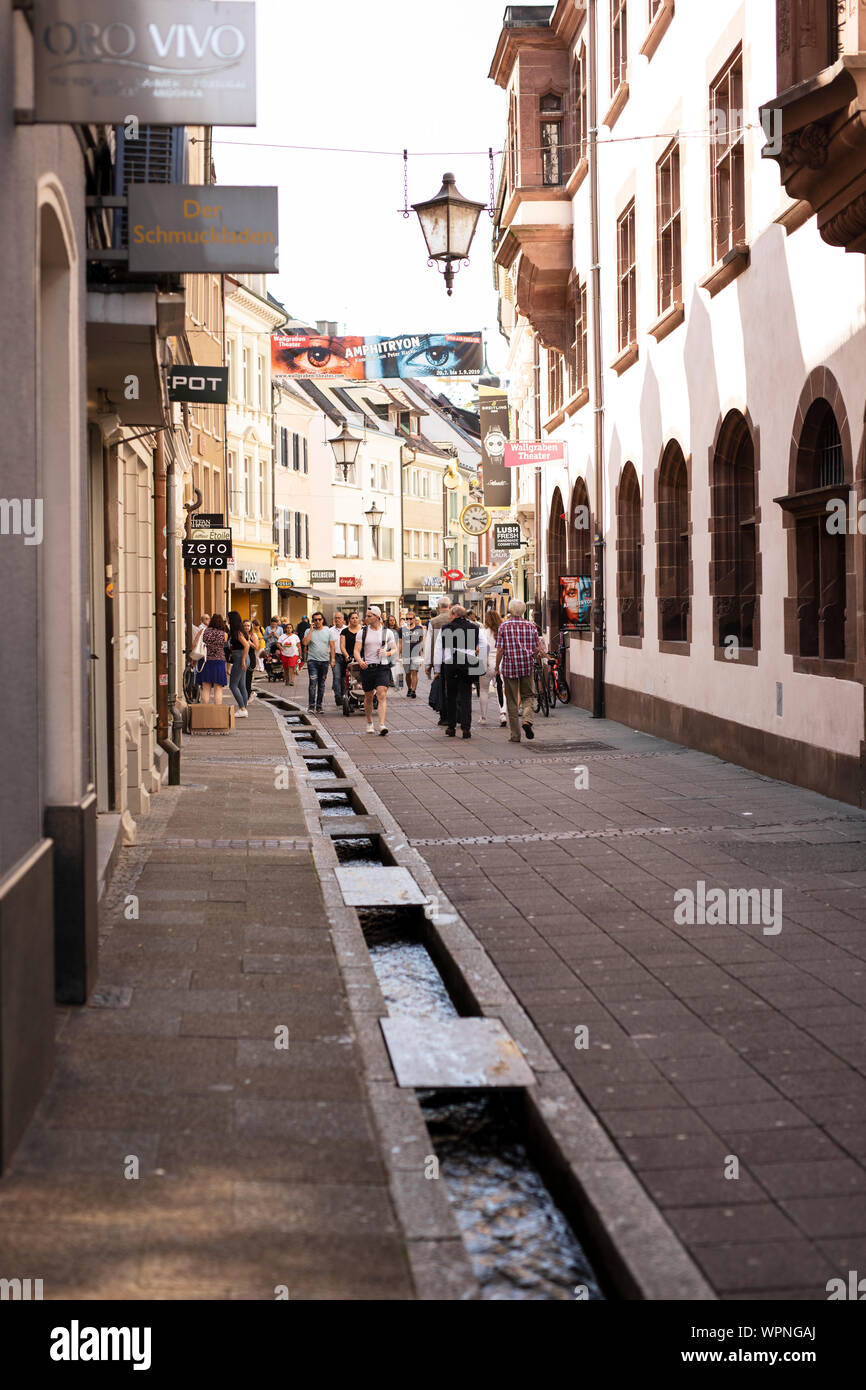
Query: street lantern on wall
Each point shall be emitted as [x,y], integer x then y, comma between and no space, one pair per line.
[345,447]
[448,222]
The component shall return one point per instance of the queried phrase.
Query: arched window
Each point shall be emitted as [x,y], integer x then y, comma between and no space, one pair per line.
[673,575]
[550,107]
[818,609]
[557,554]
[629,555]
[733,573]
[580,531]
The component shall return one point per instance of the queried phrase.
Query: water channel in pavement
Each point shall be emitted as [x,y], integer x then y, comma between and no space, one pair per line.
[520,1244]
[407,977]
[336,804]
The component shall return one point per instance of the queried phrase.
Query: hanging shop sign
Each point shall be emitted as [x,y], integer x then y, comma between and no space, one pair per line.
[161,62]
[199,385]
[285,583]
[507,535]
[350,582]
[370,359]
[202,228]
[478,571]
[208,551]
[206,520]
[493,410]
[575,603]
[250,577]
[323,576]
[453,574]
[519,455]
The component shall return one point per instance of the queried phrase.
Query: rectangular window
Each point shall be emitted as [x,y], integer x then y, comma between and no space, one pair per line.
[435,554]
[425,484]
[555,363]
[299,535]
[232,354]
[205,489]
[453,505]
[386,543]
[287,532]
[248,376]
[284,446]
[261,499]
[306,537]
[373,476]
[217,491]
[304,454]
[353,539]
[232,483]
[295,453]
[260,382]
[618,43]
[581,339]
[425,541]
[669,269]
[248,486]
[551,140]
[581,108]
[385,480]
[339,539]
[513,164]
[627,277]
[727,153]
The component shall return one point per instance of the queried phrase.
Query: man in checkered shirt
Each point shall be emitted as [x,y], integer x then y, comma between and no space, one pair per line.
[517,645]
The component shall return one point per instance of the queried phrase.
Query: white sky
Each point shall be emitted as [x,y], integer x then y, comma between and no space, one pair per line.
[382,75]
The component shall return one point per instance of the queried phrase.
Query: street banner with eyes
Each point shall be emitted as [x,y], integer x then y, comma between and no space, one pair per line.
[320,356]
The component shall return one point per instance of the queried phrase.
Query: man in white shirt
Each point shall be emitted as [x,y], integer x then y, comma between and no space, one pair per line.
[434,627]
[375,652]
[339,676]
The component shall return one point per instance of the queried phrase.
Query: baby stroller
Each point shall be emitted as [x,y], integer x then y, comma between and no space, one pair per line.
[273,666]
[353,691]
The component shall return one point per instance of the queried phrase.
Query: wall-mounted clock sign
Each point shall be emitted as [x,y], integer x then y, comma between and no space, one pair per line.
[475,519]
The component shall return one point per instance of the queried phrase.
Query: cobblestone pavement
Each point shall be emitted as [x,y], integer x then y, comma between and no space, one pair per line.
[258,1166]
[706,1043]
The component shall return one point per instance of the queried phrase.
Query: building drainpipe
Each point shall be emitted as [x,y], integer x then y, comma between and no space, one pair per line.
[161,566]
[537,589]
[598,608]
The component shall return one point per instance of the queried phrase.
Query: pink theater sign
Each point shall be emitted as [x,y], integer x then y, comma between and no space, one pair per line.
[546,452]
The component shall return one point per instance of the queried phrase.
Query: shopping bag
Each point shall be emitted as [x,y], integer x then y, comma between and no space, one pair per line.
[434,699]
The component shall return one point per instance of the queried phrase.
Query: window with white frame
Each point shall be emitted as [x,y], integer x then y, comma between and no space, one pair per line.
[425,545]
[232,354]
[248,486]
[232,482]
[436,539]
[351,478]
[386,543]
[261,497]
[248,376]
[425,484]
[347,540]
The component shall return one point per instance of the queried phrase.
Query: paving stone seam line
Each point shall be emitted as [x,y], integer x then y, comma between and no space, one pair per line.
[644,1251]
[437,1256]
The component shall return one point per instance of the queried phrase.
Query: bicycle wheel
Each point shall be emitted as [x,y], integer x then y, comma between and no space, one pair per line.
[551,687]
[563,689]
[543,705]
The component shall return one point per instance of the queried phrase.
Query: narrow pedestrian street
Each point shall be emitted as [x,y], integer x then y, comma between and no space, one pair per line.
[182,1153]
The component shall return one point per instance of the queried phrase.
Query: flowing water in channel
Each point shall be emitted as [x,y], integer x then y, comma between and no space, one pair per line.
[407,977]
[520,1244]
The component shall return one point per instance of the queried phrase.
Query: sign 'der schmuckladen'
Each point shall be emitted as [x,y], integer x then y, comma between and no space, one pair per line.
[164,62]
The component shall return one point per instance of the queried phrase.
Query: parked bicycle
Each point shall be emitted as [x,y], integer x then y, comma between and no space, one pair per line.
[557,676]
[541,698]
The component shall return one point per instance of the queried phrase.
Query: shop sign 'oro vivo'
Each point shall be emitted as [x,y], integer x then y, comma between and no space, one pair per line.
[97,61]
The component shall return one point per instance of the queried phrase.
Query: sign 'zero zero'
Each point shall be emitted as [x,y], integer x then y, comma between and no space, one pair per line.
[96,61]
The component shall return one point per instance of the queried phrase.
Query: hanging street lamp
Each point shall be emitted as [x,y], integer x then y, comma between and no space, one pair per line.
[448,222]
[374,515]
[345,447]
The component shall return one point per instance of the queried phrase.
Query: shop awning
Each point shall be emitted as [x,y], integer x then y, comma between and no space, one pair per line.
[502,570]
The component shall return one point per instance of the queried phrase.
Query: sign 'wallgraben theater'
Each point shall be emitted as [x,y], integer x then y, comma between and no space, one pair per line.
[164,61]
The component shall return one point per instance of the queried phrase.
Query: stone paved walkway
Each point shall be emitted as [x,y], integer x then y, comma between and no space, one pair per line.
[258,1166]
[706,1043]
